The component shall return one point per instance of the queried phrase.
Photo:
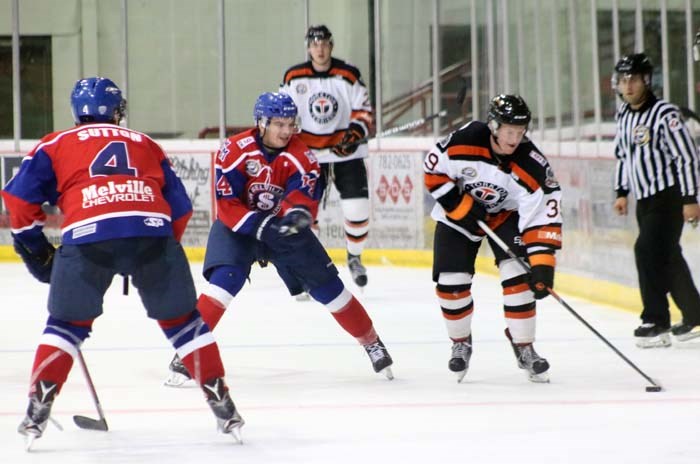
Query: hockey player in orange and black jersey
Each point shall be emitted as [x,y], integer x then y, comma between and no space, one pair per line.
[266,195]
[335,116]
[492,172]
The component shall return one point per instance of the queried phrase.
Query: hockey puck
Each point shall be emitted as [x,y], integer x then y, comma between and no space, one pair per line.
[653,388]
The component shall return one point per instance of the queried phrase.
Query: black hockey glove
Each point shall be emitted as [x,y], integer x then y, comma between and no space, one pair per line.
[467,213]
[37,255]
[351,140]
[295,220]
[270,233]
[541,279]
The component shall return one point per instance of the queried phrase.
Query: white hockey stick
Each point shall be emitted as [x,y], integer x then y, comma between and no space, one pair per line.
[654,387]
[403,127]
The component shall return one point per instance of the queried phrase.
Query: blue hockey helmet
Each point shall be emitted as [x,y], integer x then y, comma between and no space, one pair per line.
[274,105]
[97,99]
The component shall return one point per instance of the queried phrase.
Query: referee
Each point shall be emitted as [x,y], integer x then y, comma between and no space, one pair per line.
[658,161]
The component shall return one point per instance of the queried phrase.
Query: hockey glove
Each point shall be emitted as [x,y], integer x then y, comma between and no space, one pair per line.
[295,220]
[269,232]
[351,140]
[541,279]
[37,255]
[467,213]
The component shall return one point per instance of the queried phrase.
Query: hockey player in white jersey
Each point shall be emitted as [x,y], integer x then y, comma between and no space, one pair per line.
[492,172]
[335,116]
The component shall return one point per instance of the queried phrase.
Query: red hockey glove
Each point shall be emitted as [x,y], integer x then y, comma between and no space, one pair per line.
[351,140]
[37,256]
[541,279]
[467,213]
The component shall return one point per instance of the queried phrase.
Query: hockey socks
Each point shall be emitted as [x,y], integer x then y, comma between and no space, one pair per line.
[211,310]
[354,319]
[53,359]
[195,346]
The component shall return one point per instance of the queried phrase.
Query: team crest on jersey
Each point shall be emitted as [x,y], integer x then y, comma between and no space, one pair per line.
[487,193]
[252,167]
[549,179]
[301,88]
[323,107]
[470,173]
[641,135]
[263,195]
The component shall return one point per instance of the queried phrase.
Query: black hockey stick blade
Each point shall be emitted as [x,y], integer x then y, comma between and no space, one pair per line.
[90,424]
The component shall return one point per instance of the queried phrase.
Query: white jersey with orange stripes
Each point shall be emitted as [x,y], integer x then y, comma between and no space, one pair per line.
[328,102]
[522,182]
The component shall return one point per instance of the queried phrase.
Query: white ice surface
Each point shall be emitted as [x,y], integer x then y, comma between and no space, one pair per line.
[308,394]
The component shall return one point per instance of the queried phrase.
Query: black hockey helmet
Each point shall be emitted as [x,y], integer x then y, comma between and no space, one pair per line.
[635,63]
[318,32]
[508,109]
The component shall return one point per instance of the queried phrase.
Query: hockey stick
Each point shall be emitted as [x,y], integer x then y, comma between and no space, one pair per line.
[654,387]
[87,422]
[403,127]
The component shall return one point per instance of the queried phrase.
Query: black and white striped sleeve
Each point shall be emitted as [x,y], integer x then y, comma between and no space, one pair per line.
[684,152]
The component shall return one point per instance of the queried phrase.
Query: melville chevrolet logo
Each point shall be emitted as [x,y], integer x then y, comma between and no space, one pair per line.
[394,189]
[113,192]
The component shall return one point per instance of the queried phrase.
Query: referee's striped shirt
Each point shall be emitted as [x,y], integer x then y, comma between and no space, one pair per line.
[654,151]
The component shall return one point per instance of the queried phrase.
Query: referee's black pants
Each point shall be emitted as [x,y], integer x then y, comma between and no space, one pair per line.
[660,263]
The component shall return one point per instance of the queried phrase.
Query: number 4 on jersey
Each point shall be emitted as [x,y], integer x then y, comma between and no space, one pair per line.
[112,160]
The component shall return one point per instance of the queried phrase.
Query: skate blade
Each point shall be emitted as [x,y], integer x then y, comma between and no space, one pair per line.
[660,341]
[177,380]
[460,375]
[303,297]
[235,432]
[29,441]
[538,378]
[387,373]
[687,336]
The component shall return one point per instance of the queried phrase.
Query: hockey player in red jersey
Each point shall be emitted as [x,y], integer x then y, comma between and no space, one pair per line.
[493,173]
[267,199]
[335,117]
[124,212]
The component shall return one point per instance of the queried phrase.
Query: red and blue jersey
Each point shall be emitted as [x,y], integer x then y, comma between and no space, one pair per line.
[108,181]
[252,183]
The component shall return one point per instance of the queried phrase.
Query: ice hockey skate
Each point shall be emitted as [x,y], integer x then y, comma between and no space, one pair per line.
[528,359]
[459,361]
[381,360]
[179,377]
[650,335]
[357,270]
[683,332]
[38,412]
[228,420]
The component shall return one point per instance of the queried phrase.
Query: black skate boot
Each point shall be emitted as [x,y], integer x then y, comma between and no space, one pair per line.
[651,335]
[461,353]
[179,377]
[38,411]
[219,400]
[357,270]
[683,332]
[530,361]
[381,360]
